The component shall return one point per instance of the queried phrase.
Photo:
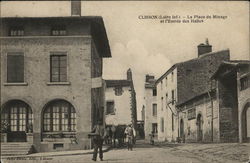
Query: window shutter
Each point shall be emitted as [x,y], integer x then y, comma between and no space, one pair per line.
[15,68]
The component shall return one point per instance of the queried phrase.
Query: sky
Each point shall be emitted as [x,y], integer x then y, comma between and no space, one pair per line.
[146,45]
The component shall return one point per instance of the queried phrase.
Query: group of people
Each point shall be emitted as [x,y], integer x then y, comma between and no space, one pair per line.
[100,134]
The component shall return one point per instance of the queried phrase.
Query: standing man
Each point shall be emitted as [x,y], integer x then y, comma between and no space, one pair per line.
[98,139]
[130,134]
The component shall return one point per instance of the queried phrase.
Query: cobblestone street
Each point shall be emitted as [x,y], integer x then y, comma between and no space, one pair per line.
[179,153]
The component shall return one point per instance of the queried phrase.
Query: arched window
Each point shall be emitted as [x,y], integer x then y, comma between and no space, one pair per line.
[59,115]
[16,116]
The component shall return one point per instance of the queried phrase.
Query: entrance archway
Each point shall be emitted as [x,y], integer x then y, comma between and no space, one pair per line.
[16,120]
[199,128]
[246,123]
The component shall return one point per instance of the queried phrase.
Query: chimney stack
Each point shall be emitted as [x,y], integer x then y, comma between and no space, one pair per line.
[129,75]
[204,48]
[75,8]
[149,78]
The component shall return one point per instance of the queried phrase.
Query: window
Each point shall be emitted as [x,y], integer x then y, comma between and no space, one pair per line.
[59,116]
[166,81]
[154,92]
[161,103]
[172,76]
[118,91]
[58,67]
[154,128]
[166,99]
[58,31]
[172,97]
[162,124]
[110,107]
[18,115]
[15,67]
[244,83]
[191,114]
[154,109]
[161,85]
[16,31]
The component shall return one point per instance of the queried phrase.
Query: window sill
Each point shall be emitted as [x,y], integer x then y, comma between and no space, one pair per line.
[58,83]
[15,84]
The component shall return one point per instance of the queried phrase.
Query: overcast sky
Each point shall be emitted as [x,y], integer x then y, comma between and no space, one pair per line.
[147,46]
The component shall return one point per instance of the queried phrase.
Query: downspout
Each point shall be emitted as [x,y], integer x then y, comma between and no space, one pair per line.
[212,119]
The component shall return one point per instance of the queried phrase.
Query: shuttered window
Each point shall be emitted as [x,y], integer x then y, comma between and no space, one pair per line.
[15,67]
[58,67]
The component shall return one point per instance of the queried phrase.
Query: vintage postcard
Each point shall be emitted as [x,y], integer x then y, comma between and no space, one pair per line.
[125,81]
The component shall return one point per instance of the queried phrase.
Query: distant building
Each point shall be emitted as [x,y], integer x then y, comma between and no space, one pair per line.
[233,96]
[51,80]
[120,102]
[185,95]
[150,107]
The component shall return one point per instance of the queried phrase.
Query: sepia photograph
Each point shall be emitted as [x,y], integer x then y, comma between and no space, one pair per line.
[124,81]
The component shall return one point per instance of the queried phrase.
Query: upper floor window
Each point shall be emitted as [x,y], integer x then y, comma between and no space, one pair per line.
[162,124]
[110,107]
[154,109]
[172,76]
[16,31]
[58,67]
[172,97]
[161,85]
[166,81]
[244,83]
[15,67]
[154,92]
[58,31]
[118,91]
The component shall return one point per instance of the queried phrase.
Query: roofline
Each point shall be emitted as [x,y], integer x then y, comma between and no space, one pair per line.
[202,94]
[176,64]
[166,73]
[232,63]
[96,21]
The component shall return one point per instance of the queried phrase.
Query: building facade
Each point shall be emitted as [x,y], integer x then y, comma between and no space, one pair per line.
[233,96]
[51,80]
[150,107]
[191,98]
[166,101]
[120,102]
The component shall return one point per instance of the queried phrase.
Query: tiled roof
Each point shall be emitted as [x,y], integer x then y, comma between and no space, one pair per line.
[115,83]
[193,76]
[232,64]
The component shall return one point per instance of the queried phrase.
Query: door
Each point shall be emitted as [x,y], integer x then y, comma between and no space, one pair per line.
[199,128]
[182,130]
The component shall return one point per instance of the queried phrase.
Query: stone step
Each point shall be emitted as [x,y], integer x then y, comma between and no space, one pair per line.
[12,149]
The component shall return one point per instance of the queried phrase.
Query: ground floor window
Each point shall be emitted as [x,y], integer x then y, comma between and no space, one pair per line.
[59,115]
[16,116]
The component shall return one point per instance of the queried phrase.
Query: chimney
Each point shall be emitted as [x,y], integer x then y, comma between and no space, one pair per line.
[129,75]
[149,78]
[204,48]
[75,8]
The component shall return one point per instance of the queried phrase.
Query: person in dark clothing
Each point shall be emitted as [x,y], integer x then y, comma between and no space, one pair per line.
[98,139]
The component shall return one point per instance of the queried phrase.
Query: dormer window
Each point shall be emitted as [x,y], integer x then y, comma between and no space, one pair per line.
[58,31]
[16,31]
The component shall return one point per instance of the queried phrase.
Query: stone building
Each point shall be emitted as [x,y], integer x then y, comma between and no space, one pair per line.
[150,107]
[167,120]
[185,95]
[233,96]
[51,80]
[120,99]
